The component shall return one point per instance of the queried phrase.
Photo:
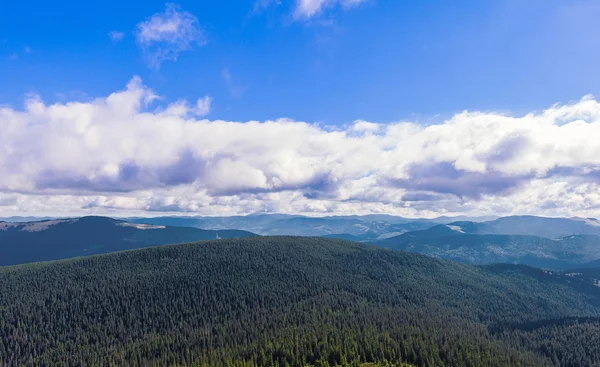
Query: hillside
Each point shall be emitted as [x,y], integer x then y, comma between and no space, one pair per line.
[64,238]
[460,241]
[281,301]
[591,264]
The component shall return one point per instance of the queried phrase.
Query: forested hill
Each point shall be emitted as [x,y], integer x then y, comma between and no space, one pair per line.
[282,301]
[64,238]
[456,242]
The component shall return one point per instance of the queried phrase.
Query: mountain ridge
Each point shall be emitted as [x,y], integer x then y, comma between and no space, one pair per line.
[468,242]
[55,239]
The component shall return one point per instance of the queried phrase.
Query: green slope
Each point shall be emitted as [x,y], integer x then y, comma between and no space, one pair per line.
[278,301]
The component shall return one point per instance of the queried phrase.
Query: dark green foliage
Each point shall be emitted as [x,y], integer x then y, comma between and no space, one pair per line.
[565,342]
[349,237]
[281,301]
[60,239]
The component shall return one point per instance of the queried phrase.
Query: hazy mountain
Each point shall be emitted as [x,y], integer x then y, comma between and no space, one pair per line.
[364,227]
[282,301]
[380,226]
[360,227]
[64,238]
[402,220]
[535,226]
[557,243]
[595,264]
[464,218]
[460,242]
[24,219]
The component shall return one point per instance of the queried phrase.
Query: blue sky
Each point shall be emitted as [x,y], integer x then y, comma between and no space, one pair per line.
[318,107]
[379,60]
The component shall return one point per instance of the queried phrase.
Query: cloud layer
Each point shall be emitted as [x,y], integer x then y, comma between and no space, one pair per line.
[123,153]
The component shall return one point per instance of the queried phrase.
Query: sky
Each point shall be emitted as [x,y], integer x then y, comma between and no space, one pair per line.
[316,107]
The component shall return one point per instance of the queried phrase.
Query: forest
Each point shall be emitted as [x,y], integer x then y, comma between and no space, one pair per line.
[292,301]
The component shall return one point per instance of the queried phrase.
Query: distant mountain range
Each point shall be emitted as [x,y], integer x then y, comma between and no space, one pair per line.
[533,226]
[24,219]
[359,227]
[355,227]
[557,243]
[553,243]
[24,242]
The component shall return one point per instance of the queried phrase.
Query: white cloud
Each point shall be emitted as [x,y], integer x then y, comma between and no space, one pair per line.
[203,106]
[306,9]
[117,154]
[365,127]
[310,8]
[116,36]
[165,35]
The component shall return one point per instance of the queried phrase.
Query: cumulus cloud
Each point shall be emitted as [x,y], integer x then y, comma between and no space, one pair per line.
[123,153]
[165,35]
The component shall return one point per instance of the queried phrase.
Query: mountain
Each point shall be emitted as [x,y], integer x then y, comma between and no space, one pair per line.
[591,265]
[283,301]
[463,218]
[372,226]
[586,275]
[534,226]
[64,238]
[588,272]
[379,226]
[24,219]
[363,227]
[460,241]
[402,220]
[555,243]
